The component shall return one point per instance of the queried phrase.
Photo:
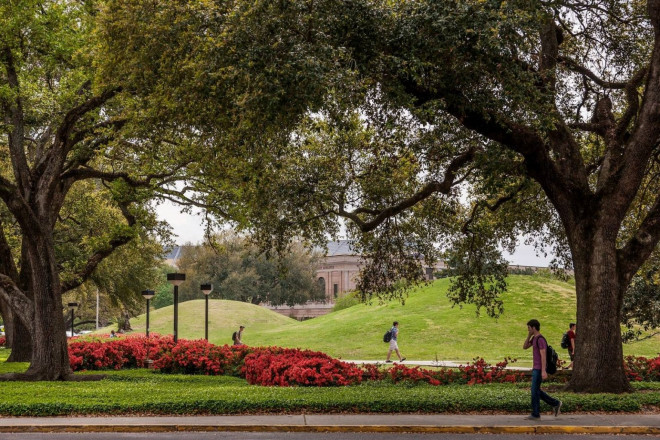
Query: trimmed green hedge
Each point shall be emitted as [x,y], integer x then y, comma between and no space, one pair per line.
[142,391]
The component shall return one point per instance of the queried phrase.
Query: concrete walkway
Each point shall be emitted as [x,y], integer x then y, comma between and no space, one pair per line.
[436,364]
[441,423]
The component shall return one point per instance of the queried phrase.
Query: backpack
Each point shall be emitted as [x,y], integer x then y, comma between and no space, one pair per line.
[233,337]
[551,358]
[387,337]
[565,342]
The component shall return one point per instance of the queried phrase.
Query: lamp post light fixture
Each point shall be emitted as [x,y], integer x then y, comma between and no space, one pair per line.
[206,289]
[176,279]
[148,294]
[72,307]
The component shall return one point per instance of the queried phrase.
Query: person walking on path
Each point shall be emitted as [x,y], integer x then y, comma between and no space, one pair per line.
[394,346]
[539,346]
[237,336]
[571,344]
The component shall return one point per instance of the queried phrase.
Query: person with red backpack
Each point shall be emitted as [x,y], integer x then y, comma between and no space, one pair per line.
[540,352]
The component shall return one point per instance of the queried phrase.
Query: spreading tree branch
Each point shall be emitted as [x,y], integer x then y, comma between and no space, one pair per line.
[641,245]
[431,188]
[95,259]
[20,304]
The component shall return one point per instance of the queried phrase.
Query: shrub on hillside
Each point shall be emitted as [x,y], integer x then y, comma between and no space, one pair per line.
[349,300]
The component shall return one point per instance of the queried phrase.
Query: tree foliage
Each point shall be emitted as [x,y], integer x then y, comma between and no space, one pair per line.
[239,271]
[542,115]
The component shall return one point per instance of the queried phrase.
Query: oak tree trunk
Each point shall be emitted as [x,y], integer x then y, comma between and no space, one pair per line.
[20,341]
[598,365]
[50,357]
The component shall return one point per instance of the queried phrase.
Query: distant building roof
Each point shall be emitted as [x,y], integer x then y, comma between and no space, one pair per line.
[340,247]
[173,255]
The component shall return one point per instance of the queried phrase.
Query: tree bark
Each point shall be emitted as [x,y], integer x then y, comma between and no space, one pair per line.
[598,366]
[19,341]
[50,356]
[5,312]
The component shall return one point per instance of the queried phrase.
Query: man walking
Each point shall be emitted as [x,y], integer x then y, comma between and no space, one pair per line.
[571,344]
[539,347]
[237,336]
[393,343]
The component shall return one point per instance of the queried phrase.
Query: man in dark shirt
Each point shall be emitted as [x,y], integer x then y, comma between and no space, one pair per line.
[540,346]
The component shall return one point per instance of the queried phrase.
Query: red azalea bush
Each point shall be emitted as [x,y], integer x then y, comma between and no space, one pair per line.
[105,353]
[473,373]
[641,368]
[201,357]
[290,367]
[3,341]
[287,366]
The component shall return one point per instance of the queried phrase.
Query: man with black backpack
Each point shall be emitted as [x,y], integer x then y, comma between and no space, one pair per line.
[236,337]
[541,355]
[394,346]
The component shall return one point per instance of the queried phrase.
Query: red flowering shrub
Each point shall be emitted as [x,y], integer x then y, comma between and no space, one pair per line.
[477,372]
[290,367]
[481,372]
[372,372]
[641,368]
[104,354]
[3,340]
[201,357]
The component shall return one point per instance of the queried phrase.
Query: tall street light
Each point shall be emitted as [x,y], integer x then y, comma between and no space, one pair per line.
[72,307]
[176,279]
[148,294]
[206,289]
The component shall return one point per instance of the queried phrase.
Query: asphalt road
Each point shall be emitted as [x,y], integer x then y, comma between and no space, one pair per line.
[306,436]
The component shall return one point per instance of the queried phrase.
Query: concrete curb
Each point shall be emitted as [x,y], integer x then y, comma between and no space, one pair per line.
[456,429]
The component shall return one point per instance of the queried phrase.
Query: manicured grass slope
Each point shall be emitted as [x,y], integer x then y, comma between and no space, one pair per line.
[429,325]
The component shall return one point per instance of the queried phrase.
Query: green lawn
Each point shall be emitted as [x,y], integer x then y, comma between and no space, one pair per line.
[146,392]
[429,325]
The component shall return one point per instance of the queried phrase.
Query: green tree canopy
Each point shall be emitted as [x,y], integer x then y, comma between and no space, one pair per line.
[543,115]
[239,271]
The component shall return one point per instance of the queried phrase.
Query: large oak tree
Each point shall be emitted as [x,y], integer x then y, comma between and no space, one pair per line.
[60,129]
[376,111]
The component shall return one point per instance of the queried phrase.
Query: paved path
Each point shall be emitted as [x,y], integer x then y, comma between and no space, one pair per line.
[449,364]
[440,423]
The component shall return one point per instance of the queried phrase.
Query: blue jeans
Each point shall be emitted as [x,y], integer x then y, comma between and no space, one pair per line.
[538,394]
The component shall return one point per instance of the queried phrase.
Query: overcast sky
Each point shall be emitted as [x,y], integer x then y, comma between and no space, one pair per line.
[188,228]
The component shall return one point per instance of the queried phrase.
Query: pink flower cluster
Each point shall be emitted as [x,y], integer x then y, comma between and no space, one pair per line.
[641,368]
[291,367]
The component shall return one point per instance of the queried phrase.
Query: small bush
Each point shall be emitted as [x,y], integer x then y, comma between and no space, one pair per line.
[349,300]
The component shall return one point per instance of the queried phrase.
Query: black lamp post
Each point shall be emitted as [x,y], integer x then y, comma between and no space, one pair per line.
[148,294]
[206,289]
[176,279]
[72,307]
